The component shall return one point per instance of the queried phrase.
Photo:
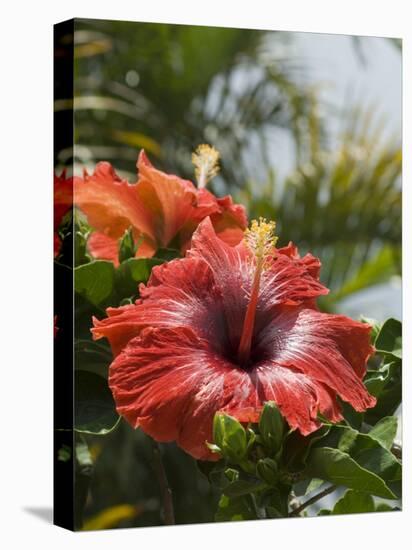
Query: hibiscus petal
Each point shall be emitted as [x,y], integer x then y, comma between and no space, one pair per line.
[287,281]
[231,222]
[111,204]
[284,281]
[330,349]
[103,247]
[169,199]
[169,383]
[299,397]
[228,219]
[294,393]
[231,267]
[311,263]
[179,293]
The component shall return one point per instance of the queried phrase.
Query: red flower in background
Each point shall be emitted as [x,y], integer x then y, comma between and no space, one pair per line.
[163,210]
[227,329]
[63,201]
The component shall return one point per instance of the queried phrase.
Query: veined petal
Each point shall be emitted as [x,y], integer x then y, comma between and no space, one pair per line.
[297,395]
[163,209]
[111,204]
[168,382]
[231,222]
[228,219]
[289,281]
[330,349]
[169,199]
[103,247]
[285,281]
[310,262]
[178,293]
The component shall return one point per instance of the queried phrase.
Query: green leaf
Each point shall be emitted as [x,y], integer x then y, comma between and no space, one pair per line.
[275,500]
[307,486]
[235,508]
[95,411]
[131,273]
[230,436]
[339,468]
[385,431]
[267,470]
[297,447]
[242,487]
[92,356]
[366,451]
[271,427]
[376,327]
[214,471]
[386,385]
[389,339]
[94,281]
[354,502]
[354,418]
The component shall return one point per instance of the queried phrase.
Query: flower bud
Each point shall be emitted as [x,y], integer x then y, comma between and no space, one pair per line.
[271,427]
[230,436]
[267,470]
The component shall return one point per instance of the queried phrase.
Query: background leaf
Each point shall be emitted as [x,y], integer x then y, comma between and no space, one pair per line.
[94,281]
[385,431]
[131,273]
[340,469]
[389,339]
[354,502]
[235,508]
[95,411]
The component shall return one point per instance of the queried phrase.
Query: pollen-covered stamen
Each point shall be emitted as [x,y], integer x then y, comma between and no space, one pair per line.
[205,160]
[260,239]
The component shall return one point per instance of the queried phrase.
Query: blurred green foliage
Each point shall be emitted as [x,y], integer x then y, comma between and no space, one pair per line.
[343,206]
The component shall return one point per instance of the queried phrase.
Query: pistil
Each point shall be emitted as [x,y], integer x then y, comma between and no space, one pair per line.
[206,163]
[260,240]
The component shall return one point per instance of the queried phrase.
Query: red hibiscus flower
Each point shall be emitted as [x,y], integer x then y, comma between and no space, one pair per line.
[163,210]
[227,329]
[63,201]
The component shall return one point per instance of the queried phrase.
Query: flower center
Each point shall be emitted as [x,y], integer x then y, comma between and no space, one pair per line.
[260,239]
[205,160]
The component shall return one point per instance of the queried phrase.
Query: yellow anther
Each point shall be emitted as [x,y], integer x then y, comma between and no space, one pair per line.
[260,238]
[206,163]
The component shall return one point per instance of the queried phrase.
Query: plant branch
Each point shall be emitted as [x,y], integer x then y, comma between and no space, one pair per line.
[165,490]
[312,500]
